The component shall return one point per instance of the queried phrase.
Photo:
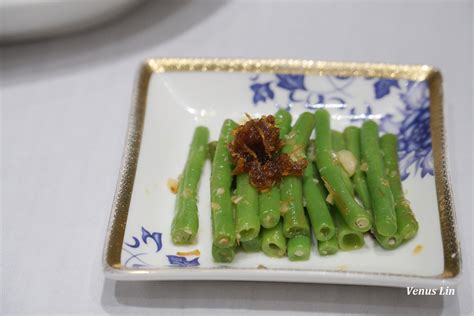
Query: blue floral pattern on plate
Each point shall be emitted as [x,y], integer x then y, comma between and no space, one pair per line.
[180,261]
[151,243]
[411,124]
[382,87]
[413,130]
[262,92]
[297,91]
[138,248]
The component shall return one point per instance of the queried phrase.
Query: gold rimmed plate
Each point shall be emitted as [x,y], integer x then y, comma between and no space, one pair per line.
[173,96]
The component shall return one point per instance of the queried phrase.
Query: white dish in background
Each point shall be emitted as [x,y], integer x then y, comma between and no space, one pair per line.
[193,93]
[28,19]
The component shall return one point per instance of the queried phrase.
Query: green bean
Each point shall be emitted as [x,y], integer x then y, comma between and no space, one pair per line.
[273,241]
[269,207]
[297,139]
[355,216]
[291,188]
[379,187]
[269,201]
[406,221]
[247,224]
[253,245]
[294,220]
[311,151]
[388,242]
[352,138]
[347,238]
[211,148]
[339,144]
[223,232]
[283,122]
[186,221]
[328,247]
[224,255]
[318,181]
[299,248]
[321,220]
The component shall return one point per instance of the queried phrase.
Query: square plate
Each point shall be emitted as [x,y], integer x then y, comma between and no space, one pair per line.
[173,96]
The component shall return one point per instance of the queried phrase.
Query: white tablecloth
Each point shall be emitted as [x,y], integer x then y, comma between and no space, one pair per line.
[65,105]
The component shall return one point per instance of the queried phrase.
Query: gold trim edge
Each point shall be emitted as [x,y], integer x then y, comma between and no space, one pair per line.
[121,203]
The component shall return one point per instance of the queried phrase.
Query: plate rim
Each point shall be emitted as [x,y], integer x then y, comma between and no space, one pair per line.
[119,212]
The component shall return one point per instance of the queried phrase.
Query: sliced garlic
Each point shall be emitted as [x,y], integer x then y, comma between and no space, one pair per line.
[236,199]
[284,207]
[348,161]
[330,199]
[311,151]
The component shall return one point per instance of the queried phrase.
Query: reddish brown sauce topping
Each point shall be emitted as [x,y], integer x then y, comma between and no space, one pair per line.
[255,149]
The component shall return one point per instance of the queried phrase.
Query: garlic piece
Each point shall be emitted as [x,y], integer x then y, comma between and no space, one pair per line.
[330,199]
[347,161]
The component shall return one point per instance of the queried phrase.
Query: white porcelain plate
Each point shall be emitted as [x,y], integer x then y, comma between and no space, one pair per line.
[175,96]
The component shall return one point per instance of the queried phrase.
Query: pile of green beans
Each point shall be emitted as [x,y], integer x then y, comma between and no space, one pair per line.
[332,205]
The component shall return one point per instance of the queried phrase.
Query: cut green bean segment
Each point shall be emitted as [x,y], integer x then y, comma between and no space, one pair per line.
[223,232]
[211,149]
[354,215]
[291,188]
[294,219]
[283,122]
[223,255]
[247,223]
[352,138]
[388,242]
[269,201]
[380,194]
[311,151]
[186,222]
[338,144]
[347,238]
[299,248]
[297,139]
[406,221]
[328,247]
[318,211]
[269,207]
[253,245]
[273,241]
[318,181]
